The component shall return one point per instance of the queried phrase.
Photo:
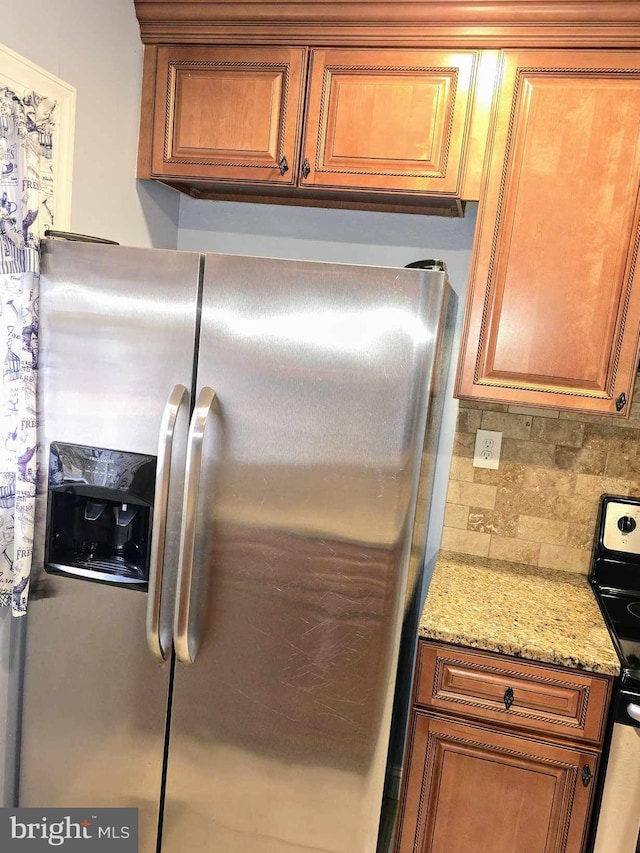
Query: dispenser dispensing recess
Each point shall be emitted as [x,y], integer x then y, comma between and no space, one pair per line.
[99,514]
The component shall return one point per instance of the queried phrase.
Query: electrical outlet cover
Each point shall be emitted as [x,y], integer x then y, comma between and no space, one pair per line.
[486,453]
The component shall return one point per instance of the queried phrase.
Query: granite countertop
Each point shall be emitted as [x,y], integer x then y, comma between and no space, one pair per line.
[539,614]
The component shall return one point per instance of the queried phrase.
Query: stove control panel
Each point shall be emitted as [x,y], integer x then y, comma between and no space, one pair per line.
[621,528]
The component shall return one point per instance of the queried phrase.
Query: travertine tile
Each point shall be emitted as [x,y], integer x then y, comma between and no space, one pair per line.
[590,487]
[562,557]
[610,438]
[585,460]
[527,502]
[621,464]
[537,529]
[511,426]
[566,433]
[538,413]
[462,468]
[456,515]
[517,550]
[469,420]
[508,474]
[486,407]
[548,480]
[553,469]
[466,541]
[578,416]
[606,421]
[528,452]
[577,510]
[463,444]
[471,494]
[581,536]
[491,521]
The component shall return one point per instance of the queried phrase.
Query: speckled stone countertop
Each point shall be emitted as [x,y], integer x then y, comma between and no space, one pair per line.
[539,614]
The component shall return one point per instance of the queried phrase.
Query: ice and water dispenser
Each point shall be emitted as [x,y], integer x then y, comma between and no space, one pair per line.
[100,505]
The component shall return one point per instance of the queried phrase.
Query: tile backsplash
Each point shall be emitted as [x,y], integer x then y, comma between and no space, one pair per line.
[540,506]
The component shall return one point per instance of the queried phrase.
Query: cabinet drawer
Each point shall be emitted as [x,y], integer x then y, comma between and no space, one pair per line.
[518,694]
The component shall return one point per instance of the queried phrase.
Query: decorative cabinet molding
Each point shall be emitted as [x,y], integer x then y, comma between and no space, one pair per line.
[393,23]
[502,754]
[379,126]
[553,308]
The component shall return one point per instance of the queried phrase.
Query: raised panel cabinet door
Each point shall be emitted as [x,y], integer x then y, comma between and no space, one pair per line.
[388,120]
[554,306]
[230,114]
[471,788]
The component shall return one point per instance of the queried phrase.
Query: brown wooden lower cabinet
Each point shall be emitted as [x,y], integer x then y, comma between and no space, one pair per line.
[502,756]
[473,789]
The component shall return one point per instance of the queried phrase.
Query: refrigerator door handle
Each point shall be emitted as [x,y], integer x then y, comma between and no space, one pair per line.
[178,397]
[185,654]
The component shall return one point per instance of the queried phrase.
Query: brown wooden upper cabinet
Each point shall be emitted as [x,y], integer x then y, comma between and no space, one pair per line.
[387,120]
[399,122]
[553,308]
[228,114]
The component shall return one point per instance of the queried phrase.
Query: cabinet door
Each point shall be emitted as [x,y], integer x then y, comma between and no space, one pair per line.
[388,120]
[553,308]
[230,114]
[474,789]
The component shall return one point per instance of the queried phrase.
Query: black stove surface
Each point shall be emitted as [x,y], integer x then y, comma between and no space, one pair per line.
[622,614]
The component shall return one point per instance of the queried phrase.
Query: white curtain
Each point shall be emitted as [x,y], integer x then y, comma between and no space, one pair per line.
[26,205]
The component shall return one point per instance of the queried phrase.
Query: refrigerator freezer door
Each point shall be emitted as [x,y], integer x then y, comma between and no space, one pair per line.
[310,468]
[118,333]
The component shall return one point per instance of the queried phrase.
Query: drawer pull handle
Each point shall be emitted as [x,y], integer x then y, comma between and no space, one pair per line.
[306,168]
[508,698]
[621,402]
[586,775]
[283,165]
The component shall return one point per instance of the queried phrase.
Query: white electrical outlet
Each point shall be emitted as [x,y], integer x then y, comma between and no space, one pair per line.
[486,453]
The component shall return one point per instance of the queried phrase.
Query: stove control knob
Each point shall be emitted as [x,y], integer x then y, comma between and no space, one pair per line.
[626,524]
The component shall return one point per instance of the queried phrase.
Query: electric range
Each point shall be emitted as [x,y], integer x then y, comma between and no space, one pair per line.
[615,578]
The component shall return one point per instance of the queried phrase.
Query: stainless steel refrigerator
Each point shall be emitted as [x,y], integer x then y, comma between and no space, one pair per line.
[241,694]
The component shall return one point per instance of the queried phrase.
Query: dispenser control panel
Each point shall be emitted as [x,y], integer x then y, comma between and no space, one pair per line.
[99,514]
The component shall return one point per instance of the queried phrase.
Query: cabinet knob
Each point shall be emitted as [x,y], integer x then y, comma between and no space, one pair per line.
[283,165]
[306,168]
[621,402]
[508,698]
[586,775]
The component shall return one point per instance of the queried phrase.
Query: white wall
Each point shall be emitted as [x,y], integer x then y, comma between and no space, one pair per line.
[356,237]
[95,46]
